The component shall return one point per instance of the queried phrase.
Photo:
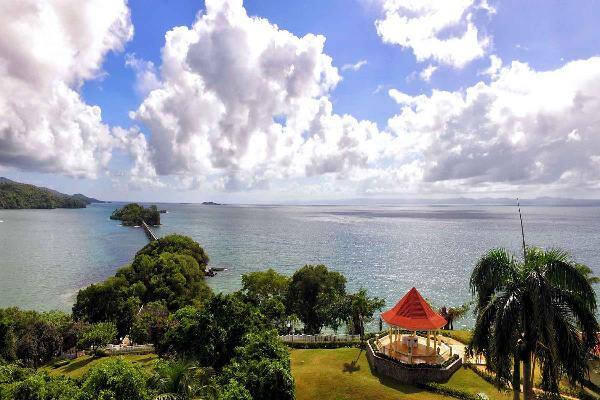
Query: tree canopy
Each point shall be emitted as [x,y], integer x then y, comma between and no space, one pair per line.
[167,271]
[133,214]
[539,309]
[313,295]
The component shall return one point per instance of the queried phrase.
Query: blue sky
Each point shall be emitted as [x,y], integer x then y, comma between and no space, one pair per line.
[403,158]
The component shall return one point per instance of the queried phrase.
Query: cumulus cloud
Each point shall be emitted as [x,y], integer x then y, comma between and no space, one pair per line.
[146,79]
[495,65]
[354,67]
[245,102]
[443,31]
[523,128]
[47,50]
[427,73]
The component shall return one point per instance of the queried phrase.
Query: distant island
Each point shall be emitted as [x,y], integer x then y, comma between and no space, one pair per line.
[133,214]
[211,203]
[16,195]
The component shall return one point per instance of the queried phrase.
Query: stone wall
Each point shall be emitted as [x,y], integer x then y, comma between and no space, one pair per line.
[396,371]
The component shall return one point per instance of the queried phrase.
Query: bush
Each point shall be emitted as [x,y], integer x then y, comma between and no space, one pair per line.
[61,363]
[449,391]
[100,353]
[116,379]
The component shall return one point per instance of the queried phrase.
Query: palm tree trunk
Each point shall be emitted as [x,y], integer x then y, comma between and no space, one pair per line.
[527,373]
[516,381]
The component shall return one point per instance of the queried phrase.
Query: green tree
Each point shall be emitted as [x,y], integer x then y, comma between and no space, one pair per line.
[454,314]
[210,335]
[588,273]
[170,270]
[40,386]
[542,308]
[314,290]
[268,291]
[179,379]
[176,244]
[38,343]
[262,365]
[174,278]
[361,310]
[113,300]
[150,324]
[116,379]
[133,214]
[98,335]
[234,390]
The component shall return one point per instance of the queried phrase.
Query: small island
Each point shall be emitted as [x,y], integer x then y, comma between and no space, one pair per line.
[133,214]
[211,203]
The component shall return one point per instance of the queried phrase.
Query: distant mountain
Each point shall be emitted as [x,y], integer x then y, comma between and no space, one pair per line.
[211,203]
[15,195]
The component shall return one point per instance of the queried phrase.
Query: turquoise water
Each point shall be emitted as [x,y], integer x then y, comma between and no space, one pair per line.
[47,255]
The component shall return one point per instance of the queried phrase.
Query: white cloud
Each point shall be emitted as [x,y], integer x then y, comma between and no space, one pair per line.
[523,128]
[354,67]
[146,79]
[495,65]
[244,102]
[443,31]
[47,50]
[427,73]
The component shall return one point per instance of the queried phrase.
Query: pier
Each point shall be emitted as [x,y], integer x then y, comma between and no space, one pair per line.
[151,235]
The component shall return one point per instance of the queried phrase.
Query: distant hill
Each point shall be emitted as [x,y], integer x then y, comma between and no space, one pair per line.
[88,200]
[15,195]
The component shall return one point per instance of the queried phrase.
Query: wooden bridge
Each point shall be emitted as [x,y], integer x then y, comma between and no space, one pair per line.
[151,235]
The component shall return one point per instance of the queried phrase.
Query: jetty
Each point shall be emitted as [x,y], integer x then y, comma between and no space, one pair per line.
[151,235]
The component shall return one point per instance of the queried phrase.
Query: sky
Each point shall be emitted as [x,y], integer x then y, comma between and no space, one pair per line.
[275,101]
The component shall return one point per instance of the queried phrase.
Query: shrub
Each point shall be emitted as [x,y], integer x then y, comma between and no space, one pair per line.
[116,379]
[449,391]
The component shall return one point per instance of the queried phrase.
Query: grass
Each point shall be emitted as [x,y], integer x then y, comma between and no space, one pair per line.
[467,380]
[462,336]
[340,374]
[81,365]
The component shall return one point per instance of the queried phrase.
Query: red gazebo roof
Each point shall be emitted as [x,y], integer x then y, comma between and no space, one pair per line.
[412,312]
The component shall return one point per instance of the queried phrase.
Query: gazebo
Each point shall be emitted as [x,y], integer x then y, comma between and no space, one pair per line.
[412,313]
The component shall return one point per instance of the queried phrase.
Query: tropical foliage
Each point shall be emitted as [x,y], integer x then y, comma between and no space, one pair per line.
[169,270]
[98,335]
[17,195]
[537,310]
[133,214]
[314,294]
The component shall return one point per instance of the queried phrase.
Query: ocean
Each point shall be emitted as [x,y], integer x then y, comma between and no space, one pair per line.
[46,256]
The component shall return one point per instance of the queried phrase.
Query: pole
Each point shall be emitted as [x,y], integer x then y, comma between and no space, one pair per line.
[522,231]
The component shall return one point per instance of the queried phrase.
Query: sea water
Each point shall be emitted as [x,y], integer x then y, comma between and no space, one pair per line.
[47,255]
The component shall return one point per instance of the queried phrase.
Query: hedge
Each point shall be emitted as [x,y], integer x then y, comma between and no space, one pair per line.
[449,391]
[324,345]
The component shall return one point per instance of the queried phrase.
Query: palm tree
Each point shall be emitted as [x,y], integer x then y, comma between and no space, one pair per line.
[361,309]
[541,308]
[454,314]
[181,380]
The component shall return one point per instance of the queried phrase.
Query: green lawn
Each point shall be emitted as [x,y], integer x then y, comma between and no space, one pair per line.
[462,336]
[81,365]
[323,374]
